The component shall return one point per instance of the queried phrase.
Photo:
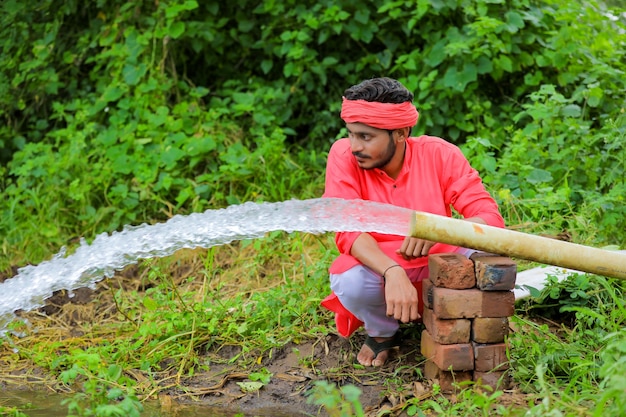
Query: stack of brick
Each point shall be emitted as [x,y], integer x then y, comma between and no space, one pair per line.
[467,303]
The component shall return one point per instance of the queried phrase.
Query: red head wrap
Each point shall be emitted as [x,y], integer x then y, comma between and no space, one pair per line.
[386,116]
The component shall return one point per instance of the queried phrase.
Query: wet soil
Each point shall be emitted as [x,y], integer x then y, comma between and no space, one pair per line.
[296,368]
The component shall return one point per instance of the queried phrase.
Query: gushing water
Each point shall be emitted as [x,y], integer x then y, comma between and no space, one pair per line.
[93,262]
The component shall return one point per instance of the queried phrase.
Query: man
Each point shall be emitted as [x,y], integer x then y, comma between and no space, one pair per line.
[375,277]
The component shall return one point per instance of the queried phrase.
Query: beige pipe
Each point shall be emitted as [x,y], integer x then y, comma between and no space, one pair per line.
[519,245]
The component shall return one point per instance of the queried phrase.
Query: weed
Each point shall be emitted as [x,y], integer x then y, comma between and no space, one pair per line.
[337,402]
[105,391]
[11,412]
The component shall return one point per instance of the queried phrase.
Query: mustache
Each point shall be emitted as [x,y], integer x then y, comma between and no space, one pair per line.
[360,155]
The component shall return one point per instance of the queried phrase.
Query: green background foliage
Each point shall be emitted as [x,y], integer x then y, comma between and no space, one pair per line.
[119,112]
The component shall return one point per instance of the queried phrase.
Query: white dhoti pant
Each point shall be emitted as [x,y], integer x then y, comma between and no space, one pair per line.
[362,292]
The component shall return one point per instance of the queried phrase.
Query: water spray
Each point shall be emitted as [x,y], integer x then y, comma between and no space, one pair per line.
[92,262]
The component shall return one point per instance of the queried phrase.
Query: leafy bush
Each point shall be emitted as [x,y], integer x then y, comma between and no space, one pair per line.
[122,112]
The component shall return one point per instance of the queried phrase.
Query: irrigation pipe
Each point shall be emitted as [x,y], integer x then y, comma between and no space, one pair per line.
[517,244]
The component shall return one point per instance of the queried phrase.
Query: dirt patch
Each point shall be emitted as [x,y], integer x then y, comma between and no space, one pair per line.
[296,367]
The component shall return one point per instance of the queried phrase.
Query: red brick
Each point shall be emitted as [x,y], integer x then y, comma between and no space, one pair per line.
[459,304]
[447,380]
[457,357]
[427,293]
[496,273]
[451,270]
[490,357]
[496,380]
[490,329]
[447,332]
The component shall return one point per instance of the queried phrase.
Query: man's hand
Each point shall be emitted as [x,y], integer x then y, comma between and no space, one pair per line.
[401,296]
[413,248]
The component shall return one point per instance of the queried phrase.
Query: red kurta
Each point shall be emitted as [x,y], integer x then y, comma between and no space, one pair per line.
[435,176]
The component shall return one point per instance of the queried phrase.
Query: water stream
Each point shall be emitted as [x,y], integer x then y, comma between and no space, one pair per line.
[92,262]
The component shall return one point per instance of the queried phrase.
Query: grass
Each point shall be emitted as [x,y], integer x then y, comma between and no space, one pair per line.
[153,326]
[174,316]
[566,350]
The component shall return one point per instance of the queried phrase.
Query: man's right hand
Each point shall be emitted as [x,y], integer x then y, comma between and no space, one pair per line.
[401,296]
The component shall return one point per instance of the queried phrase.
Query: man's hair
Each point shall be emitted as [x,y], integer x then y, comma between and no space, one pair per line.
[382,90]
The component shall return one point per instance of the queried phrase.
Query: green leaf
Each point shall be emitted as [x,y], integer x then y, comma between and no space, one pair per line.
[112,93]
[538,176]
[571,110]
[437,4]
[246,25]
[514,21]
[122,164]
[112,394]
[266,65]
[459,80]
[176,29]
[542,60]
[505,63]
[200,145]
[468,75]
[484,65]
[362,16]
[422,7]
[449,78]
[534,292]
[437,53]
[114,372]
[150,304]
[533,78]
[251,386]
[170,156]
[264,377]
[289,69]
[245,101]
[595,96]
[489,163]
[199,92]
[133,73]
[329,61]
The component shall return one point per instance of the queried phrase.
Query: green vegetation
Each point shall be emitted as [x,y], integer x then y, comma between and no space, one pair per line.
[122,113]
[11,412]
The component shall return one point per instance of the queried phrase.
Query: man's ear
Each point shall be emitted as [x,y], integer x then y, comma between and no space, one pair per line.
[403,133]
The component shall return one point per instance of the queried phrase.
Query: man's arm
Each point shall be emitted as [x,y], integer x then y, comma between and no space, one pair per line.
[400,294]
[414,247]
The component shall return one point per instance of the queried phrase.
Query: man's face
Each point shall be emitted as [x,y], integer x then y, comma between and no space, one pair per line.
[372,147]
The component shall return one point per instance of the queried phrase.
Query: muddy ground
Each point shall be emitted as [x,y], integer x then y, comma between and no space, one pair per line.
[295,368]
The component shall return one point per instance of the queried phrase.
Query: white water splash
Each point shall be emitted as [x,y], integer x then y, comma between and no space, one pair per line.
[93,262]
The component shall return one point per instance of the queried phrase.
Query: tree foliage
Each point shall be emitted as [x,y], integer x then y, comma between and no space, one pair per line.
[124,112]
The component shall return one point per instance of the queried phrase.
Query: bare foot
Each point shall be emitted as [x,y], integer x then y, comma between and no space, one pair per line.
[367,356]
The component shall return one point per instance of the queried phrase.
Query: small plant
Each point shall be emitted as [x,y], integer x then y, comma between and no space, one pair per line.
[338,402]
[11,412]
[613,372]
[472,400]
[263,376]
[105,390]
